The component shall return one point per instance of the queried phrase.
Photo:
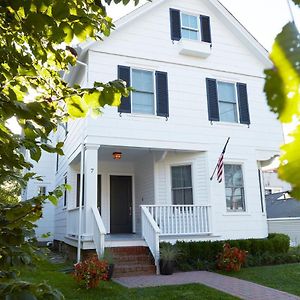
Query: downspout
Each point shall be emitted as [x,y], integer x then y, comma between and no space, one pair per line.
[80,202]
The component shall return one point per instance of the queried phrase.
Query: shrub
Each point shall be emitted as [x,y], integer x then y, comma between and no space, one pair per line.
[202,255]
[90,272]
[231,258]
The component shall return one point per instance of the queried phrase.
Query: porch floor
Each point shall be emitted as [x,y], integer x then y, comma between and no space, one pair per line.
[124,240]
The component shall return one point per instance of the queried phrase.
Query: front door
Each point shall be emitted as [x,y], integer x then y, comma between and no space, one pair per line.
[120,204]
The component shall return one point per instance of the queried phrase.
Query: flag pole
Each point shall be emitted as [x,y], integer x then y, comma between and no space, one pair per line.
[224,149]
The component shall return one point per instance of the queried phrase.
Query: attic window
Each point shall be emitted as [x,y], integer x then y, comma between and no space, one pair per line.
[190,27]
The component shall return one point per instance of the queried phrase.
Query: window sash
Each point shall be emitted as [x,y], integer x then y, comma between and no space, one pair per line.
[233,102]
[182,189]
[143,91]
[189,28]
[226,113]
[234,189]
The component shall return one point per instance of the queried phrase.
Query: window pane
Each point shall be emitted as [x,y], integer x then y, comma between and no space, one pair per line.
[234,185]
[189,21]
[193,22]
[142,81]
[143,103]
[189,34]
[228,112]
[178,197]
[185,20]
[188,196]
[226,92]
[181,177]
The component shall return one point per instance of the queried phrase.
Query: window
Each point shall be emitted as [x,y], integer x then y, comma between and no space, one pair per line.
[227,102]
[65,192]
[78,191]
[143,96]
[234,185]
[42,190]
[182,191]
[190,27]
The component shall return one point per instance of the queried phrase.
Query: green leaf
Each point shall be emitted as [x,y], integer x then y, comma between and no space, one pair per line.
[76,107]
[53,199]
[283,81]
[35,153]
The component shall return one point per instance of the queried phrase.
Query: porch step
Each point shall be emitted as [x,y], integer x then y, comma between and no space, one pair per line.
[132,261]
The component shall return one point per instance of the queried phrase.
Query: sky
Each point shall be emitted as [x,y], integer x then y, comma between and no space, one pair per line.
[263,18]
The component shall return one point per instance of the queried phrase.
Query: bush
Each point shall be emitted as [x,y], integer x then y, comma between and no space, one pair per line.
[91,271]
[231,258]
[202,255]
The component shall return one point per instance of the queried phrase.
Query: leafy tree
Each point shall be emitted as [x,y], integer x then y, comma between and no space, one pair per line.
[282,88]
[35,47]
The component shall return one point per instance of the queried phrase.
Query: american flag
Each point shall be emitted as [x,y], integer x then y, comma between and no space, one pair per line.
[220,165]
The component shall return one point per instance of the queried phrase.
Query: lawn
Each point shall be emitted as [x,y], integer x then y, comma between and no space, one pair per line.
[109,290]
[282,277]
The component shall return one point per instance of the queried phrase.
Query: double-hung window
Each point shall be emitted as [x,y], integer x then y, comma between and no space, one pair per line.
[227,102]
[190,26]
[143,94]
[182,190]
[42,190]
[234,186]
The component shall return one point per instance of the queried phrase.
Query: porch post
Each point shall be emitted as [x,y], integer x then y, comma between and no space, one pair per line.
[90,185]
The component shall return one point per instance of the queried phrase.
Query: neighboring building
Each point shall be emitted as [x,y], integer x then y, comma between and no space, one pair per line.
[45,168]
[283,213]
[273,184]
[198,78]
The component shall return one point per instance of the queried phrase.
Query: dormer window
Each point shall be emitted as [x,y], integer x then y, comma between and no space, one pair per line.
[190,26]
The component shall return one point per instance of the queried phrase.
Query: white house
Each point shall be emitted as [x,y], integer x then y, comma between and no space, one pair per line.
[198,79]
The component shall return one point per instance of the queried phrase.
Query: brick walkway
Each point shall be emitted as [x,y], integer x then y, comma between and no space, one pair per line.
[233,286]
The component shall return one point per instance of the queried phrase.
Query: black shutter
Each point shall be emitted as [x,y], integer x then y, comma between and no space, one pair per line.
[212,99]
[175,24]
[124,74]
[78,191]
[162,94]
[205,29]
[243,103]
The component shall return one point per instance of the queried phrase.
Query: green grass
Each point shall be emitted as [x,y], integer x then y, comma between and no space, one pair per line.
[281,277]
[109,290]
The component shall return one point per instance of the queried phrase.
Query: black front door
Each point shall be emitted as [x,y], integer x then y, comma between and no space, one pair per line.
[120,204]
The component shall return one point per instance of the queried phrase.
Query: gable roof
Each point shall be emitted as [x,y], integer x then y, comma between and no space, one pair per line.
[279,207]
[245,36]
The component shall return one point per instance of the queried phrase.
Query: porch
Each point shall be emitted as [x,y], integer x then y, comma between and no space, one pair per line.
[128,202]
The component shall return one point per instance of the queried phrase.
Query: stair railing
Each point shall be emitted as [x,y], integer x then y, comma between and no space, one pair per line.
[151,232]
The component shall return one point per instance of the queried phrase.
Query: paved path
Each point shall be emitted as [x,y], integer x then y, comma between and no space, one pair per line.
[233,286]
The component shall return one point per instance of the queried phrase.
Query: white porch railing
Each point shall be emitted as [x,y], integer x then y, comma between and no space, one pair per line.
[181,219]
[72,222]
[151,234]
[98,232]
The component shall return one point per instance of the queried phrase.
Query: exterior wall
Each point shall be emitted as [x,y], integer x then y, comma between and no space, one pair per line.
[289,226]
[145,43]
[144,182]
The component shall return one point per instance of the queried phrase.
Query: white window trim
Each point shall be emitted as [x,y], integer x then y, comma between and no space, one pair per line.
[236,212]
[154,92]
[237,101]
[187,163]
[199,36]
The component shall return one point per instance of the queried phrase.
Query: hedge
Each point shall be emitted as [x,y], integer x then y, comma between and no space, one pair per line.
[202,255]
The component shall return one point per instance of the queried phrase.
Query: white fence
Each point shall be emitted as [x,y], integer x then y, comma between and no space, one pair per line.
[289,226]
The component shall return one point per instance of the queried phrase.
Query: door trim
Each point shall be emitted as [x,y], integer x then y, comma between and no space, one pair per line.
[133,197]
